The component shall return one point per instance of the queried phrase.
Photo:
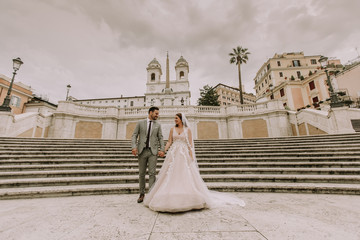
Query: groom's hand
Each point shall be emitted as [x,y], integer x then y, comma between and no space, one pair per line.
[161,154]
[134,151]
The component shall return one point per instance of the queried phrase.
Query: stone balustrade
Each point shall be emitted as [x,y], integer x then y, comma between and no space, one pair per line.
[87,110]
[266,119]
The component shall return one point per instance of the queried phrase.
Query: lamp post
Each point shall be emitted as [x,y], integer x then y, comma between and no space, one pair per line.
[68,89]
[334,100]
[6,104]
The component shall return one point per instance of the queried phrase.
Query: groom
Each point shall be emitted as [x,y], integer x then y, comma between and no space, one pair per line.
[147,148]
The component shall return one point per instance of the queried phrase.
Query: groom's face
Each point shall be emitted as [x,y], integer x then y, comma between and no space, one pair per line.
[154,115]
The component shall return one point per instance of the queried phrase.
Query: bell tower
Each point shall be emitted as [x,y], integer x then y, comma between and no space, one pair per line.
[154,71]
[182,69]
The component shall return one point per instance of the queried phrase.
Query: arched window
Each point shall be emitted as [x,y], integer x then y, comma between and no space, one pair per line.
[182,74]
[153,77]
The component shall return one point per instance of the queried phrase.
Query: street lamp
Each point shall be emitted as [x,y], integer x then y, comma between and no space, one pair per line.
[6,104]
[334,100]
[68,89]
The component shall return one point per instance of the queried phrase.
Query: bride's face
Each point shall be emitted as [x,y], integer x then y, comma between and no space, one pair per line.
[177,120]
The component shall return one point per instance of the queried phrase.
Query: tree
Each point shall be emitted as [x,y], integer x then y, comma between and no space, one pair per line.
[208,97]
[239,56]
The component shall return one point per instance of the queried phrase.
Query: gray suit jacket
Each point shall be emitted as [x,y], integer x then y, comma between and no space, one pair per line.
[138,139]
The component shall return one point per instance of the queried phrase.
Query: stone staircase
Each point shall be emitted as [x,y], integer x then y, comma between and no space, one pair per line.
[32,168]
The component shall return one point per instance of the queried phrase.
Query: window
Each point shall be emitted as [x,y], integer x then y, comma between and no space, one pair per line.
[15,101]
[298,74]
[153,77]
[272,96]
[296,63]
[223,97]
[224,103]
[262,84]
[131,103]
[282,92]
[268,66]
[265,81]
[281,74]
[181,74]
[312,85]
[269,76]
[313,61]
[315,101]
[112,101]
[278,63]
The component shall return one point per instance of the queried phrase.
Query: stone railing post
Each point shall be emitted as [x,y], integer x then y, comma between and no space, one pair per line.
[6,120]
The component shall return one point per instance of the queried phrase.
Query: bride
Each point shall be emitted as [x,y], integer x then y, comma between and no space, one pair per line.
[179,186]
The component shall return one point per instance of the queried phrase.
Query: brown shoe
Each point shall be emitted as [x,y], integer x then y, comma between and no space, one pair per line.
[141,198]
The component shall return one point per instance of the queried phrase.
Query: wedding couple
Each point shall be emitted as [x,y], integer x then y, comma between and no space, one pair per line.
[179,186]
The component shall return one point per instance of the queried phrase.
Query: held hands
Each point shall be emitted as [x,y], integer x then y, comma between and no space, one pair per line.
[134,152]
[161,154]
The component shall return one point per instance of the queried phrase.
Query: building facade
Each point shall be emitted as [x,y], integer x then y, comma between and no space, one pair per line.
[20,94]
[297,80]
[120,102]
[348,80]
[284,67]
[229,96]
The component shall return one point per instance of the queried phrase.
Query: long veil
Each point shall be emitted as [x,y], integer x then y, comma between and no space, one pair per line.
[216,198]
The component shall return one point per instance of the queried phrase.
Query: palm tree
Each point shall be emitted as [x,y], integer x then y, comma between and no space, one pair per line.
[239,56]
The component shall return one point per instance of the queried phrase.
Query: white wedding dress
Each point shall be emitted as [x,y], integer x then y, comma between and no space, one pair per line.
[179,186]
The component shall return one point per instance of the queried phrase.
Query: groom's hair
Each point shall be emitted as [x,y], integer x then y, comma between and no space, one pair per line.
[152,109]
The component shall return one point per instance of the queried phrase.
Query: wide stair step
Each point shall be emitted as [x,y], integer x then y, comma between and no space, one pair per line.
[34,167]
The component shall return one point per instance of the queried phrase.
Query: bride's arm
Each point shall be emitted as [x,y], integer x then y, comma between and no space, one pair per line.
[191,147]
[170,139]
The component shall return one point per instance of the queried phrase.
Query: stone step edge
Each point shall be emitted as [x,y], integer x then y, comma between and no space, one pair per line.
[263,138]
[209,155]
[197,146]
[240,159]
[160,163]
[201,170]
[127,189]
[213,151]
[208,178]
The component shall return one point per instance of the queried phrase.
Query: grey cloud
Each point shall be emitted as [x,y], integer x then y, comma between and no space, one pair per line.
[101,47]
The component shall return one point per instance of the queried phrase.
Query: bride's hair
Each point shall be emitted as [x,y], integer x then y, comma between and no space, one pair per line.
[180,116]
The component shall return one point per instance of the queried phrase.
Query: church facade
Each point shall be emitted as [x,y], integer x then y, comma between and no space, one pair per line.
[168,93]
[158,92]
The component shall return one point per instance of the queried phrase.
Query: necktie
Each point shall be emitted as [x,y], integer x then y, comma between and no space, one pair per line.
[148,135]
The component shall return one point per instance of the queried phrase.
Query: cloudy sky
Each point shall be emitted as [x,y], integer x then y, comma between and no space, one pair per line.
[102,48]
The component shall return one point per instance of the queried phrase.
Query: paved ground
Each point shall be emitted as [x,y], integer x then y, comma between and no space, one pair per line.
[266,216]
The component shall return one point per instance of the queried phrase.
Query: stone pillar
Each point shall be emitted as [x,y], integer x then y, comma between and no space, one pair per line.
[6,120]
[110,129]
[341,120]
